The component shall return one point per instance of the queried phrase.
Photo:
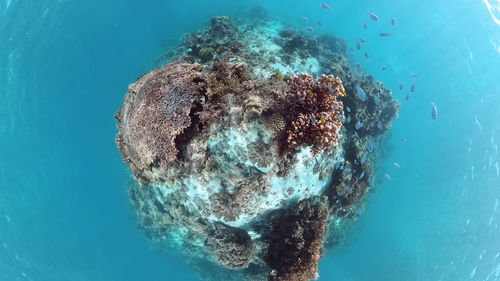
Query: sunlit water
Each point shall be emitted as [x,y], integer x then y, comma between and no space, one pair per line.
[65,66]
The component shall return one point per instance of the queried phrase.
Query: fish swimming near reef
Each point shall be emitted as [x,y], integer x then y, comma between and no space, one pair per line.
[379,125]
[319,22]
[400,86]
[373,16]
[415,76]
[365,26]
[393,22]
[359,68]
[377,100]
[388,177]
[362,175]
[362,40]
[403,139]
[363,159]
[361,93]
[412,88]
[367,57]
[434,112]
[370,146]
[310,29]
[384,34]
[397,165]
[384,67]
[326,7]
[304,19]
[358,46]
[358,125]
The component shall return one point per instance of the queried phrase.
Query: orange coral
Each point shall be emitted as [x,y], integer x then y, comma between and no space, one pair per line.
[315,112]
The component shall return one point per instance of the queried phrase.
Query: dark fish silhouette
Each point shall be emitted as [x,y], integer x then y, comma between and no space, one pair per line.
[400,86]
[384,67]
[358,46]
[365,26]
[434,112]
[319,22]
[359,69]
[385,34]
[362,40]
[373,16]
[367,57]
[326,7]
[407,96]
[393,22]
[412,89]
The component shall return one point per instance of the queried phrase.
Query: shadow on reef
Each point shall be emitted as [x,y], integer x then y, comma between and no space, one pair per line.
[241,163]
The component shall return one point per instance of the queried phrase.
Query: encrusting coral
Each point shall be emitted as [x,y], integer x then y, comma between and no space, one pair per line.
[155,111]
[315,112]
[296,240]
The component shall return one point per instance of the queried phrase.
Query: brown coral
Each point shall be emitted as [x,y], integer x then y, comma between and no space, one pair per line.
[315,112]
[156,110]
[296,240]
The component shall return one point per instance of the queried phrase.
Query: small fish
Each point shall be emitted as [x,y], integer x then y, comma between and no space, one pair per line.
[279,76]
[359,69]
[310,29]
[397,165]
[384,34]
[393,22]
[377,100]
[400,86]
[348,109]
[328,51]
[362,40]
[348,119]
[358,46]
[388,177]
[407,96]
[477,122]
[361,93]
[379,125]
[373,16]
[412,88]
[326,7]
[365,26]
[319,22]
[367,57]
[403,139]
[434,112]
[370,146]
[304,19]
[384,67]
[362,175]
[363,159]
[415,76]
[358,125]
[351,50]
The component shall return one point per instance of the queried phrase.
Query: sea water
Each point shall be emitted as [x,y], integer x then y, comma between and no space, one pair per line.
[65,66]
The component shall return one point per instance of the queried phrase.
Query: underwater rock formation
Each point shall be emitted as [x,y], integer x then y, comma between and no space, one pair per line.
[241,164]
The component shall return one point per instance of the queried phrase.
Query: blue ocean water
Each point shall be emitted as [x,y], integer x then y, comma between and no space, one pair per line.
[65,67]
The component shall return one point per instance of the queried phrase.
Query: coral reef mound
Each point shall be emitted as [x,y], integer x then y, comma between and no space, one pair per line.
[250,150]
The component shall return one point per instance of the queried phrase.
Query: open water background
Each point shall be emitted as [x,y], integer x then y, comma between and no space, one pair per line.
[64,69]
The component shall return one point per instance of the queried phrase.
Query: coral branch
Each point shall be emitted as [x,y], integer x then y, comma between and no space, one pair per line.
[315,112]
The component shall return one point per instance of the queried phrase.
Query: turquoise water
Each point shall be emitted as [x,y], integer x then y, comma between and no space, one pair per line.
[65,67]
